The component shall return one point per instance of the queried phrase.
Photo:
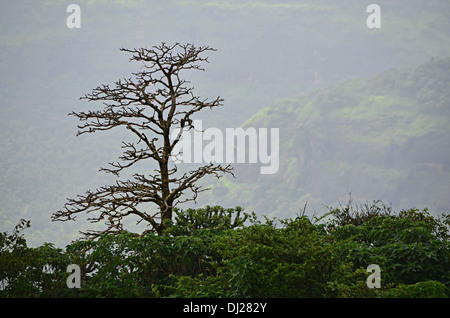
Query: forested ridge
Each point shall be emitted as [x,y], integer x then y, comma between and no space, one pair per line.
[386,136]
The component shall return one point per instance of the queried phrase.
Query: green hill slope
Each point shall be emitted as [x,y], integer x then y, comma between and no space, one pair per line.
[387,137]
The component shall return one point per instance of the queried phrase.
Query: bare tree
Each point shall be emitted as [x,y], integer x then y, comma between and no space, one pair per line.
[149,106]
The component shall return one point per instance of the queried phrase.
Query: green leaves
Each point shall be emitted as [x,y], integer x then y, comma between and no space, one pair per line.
[30,272]
[217,252]
[410,247]
[211,217]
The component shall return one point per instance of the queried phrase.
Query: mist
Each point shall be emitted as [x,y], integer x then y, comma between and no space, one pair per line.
[272,59]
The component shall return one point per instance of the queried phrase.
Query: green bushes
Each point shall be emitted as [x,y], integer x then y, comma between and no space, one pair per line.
[410,247]
[261,260]
[217,252]
[31,272]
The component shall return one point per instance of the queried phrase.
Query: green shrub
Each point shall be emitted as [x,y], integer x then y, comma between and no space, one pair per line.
[217,252]
[428,289]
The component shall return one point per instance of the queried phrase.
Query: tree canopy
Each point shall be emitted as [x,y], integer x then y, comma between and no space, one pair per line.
[217,252]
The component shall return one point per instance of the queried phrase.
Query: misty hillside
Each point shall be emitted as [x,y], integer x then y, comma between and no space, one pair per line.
[370,137]
[386,137]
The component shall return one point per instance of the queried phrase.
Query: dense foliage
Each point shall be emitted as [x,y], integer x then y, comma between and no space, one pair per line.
[217,252]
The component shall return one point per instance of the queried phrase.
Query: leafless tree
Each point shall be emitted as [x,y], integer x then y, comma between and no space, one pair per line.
[149,105]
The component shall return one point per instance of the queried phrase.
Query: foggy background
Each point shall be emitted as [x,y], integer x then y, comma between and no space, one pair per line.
[277,63]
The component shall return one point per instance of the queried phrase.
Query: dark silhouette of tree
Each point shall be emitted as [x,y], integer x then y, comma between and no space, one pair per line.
[150,106]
